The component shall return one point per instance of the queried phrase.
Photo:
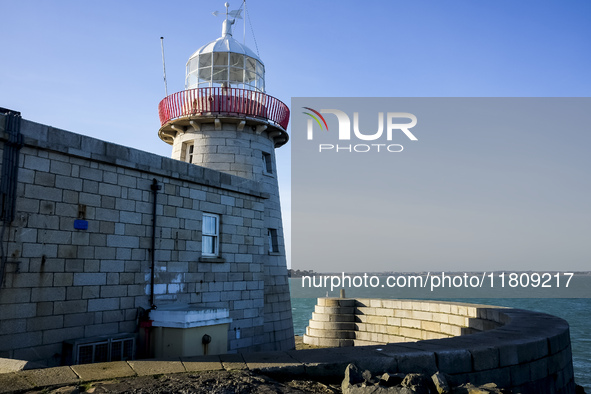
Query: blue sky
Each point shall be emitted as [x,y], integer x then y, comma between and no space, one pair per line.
[95,67]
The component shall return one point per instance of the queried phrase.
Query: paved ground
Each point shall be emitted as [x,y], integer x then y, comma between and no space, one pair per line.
[273,372]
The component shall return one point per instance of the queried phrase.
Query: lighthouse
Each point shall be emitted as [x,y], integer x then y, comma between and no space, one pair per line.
[225,121]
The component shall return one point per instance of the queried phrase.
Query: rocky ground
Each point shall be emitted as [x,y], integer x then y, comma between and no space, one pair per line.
[244,381]
[214,382]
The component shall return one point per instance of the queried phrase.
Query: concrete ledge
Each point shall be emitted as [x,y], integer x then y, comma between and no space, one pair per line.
[9,365]
[232,362]
[202,363]
[156,367]
[14,382]
[274,363]
[90,372]
[57,376]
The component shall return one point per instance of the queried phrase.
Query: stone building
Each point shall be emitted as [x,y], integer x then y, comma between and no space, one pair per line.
[110,253]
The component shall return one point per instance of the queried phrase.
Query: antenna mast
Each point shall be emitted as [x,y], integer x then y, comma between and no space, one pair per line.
[164,66]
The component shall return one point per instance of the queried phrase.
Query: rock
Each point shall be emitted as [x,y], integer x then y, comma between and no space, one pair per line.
[352,377]
[417,382]
[391,380]
[440,382]
[468,388]
[367,377]
[579,389]
[490,386]
[357,382]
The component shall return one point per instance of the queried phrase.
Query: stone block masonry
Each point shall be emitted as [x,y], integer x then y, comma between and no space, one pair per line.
[526,351]
[62,283]
[240,152]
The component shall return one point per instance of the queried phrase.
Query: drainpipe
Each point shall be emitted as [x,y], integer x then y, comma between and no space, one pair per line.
[155,187]
[9,178]
[145,321]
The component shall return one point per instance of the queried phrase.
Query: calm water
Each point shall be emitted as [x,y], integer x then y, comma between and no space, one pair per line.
[576,311]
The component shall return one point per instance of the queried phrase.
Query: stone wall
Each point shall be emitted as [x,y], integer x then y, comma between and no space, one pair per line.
[527,351]
[63,283]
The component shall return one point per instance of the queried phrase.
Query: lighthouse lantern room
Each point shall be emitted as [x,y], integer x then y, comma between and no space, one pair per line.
[224,80]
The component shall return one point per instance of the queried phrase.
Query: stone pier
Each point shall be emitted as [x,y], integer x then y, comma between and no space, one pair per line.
[526,351]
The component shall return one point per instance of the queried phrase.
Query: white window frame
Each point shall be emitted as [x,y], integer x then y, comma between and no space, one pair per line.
[272,240]
[215,235]
[189,152]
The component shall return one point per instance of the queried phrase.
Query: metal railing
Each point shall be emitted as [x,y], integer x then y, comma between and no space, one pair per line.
[227,101]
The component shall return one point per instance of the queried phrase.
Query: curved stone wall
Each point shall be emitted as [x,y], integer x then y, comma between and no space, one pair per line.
[527,351]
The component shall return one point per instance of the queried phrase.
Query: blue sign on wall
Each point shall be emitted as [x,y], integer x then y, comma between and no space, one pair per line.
[80,224]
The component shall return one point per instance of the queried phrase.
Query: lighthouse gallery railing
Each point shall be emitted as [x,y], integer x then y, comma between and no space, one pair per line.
[207,101]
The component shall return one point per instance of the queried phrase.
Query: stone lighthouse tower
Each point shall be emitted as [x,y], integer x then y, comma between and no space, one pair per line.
[225,121]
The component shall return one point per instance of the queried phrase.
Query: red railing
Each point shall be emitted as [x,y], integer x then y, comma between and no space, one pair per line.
[206,101]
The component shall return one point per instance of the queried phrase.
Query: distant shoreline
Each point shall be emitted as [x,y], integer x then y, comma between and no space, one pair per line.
[301,273]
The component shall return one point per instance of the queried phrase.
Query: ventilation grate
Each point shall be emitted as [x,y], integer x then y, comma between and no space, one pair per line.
[99,350]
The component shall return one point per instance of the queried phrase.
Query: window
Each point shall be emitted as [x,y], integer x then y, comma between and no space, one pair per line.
[267,163]
[272,235]
[190,148]
[210,235]
[214,69]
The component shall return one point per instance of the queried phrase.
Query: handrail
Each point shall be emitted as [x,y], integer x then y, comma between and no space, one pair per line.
[218,100]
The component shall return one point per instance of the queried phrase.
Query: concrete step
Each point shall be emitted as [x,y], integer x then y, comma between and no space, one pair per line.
[328,342]
[324,325]
[339,310]
[335,317]
[336,334]
[336,302]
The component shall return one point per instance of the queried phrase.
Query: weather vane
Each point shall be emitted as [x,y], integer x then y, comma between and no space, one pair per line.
[233,14]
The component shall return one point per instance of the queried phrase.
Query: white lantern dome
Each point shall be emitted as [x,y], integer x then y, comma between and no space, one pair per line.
[225,63]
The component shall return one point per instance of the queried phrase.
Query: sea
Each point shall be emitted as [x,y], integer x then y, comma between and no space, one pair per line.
[576,311]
